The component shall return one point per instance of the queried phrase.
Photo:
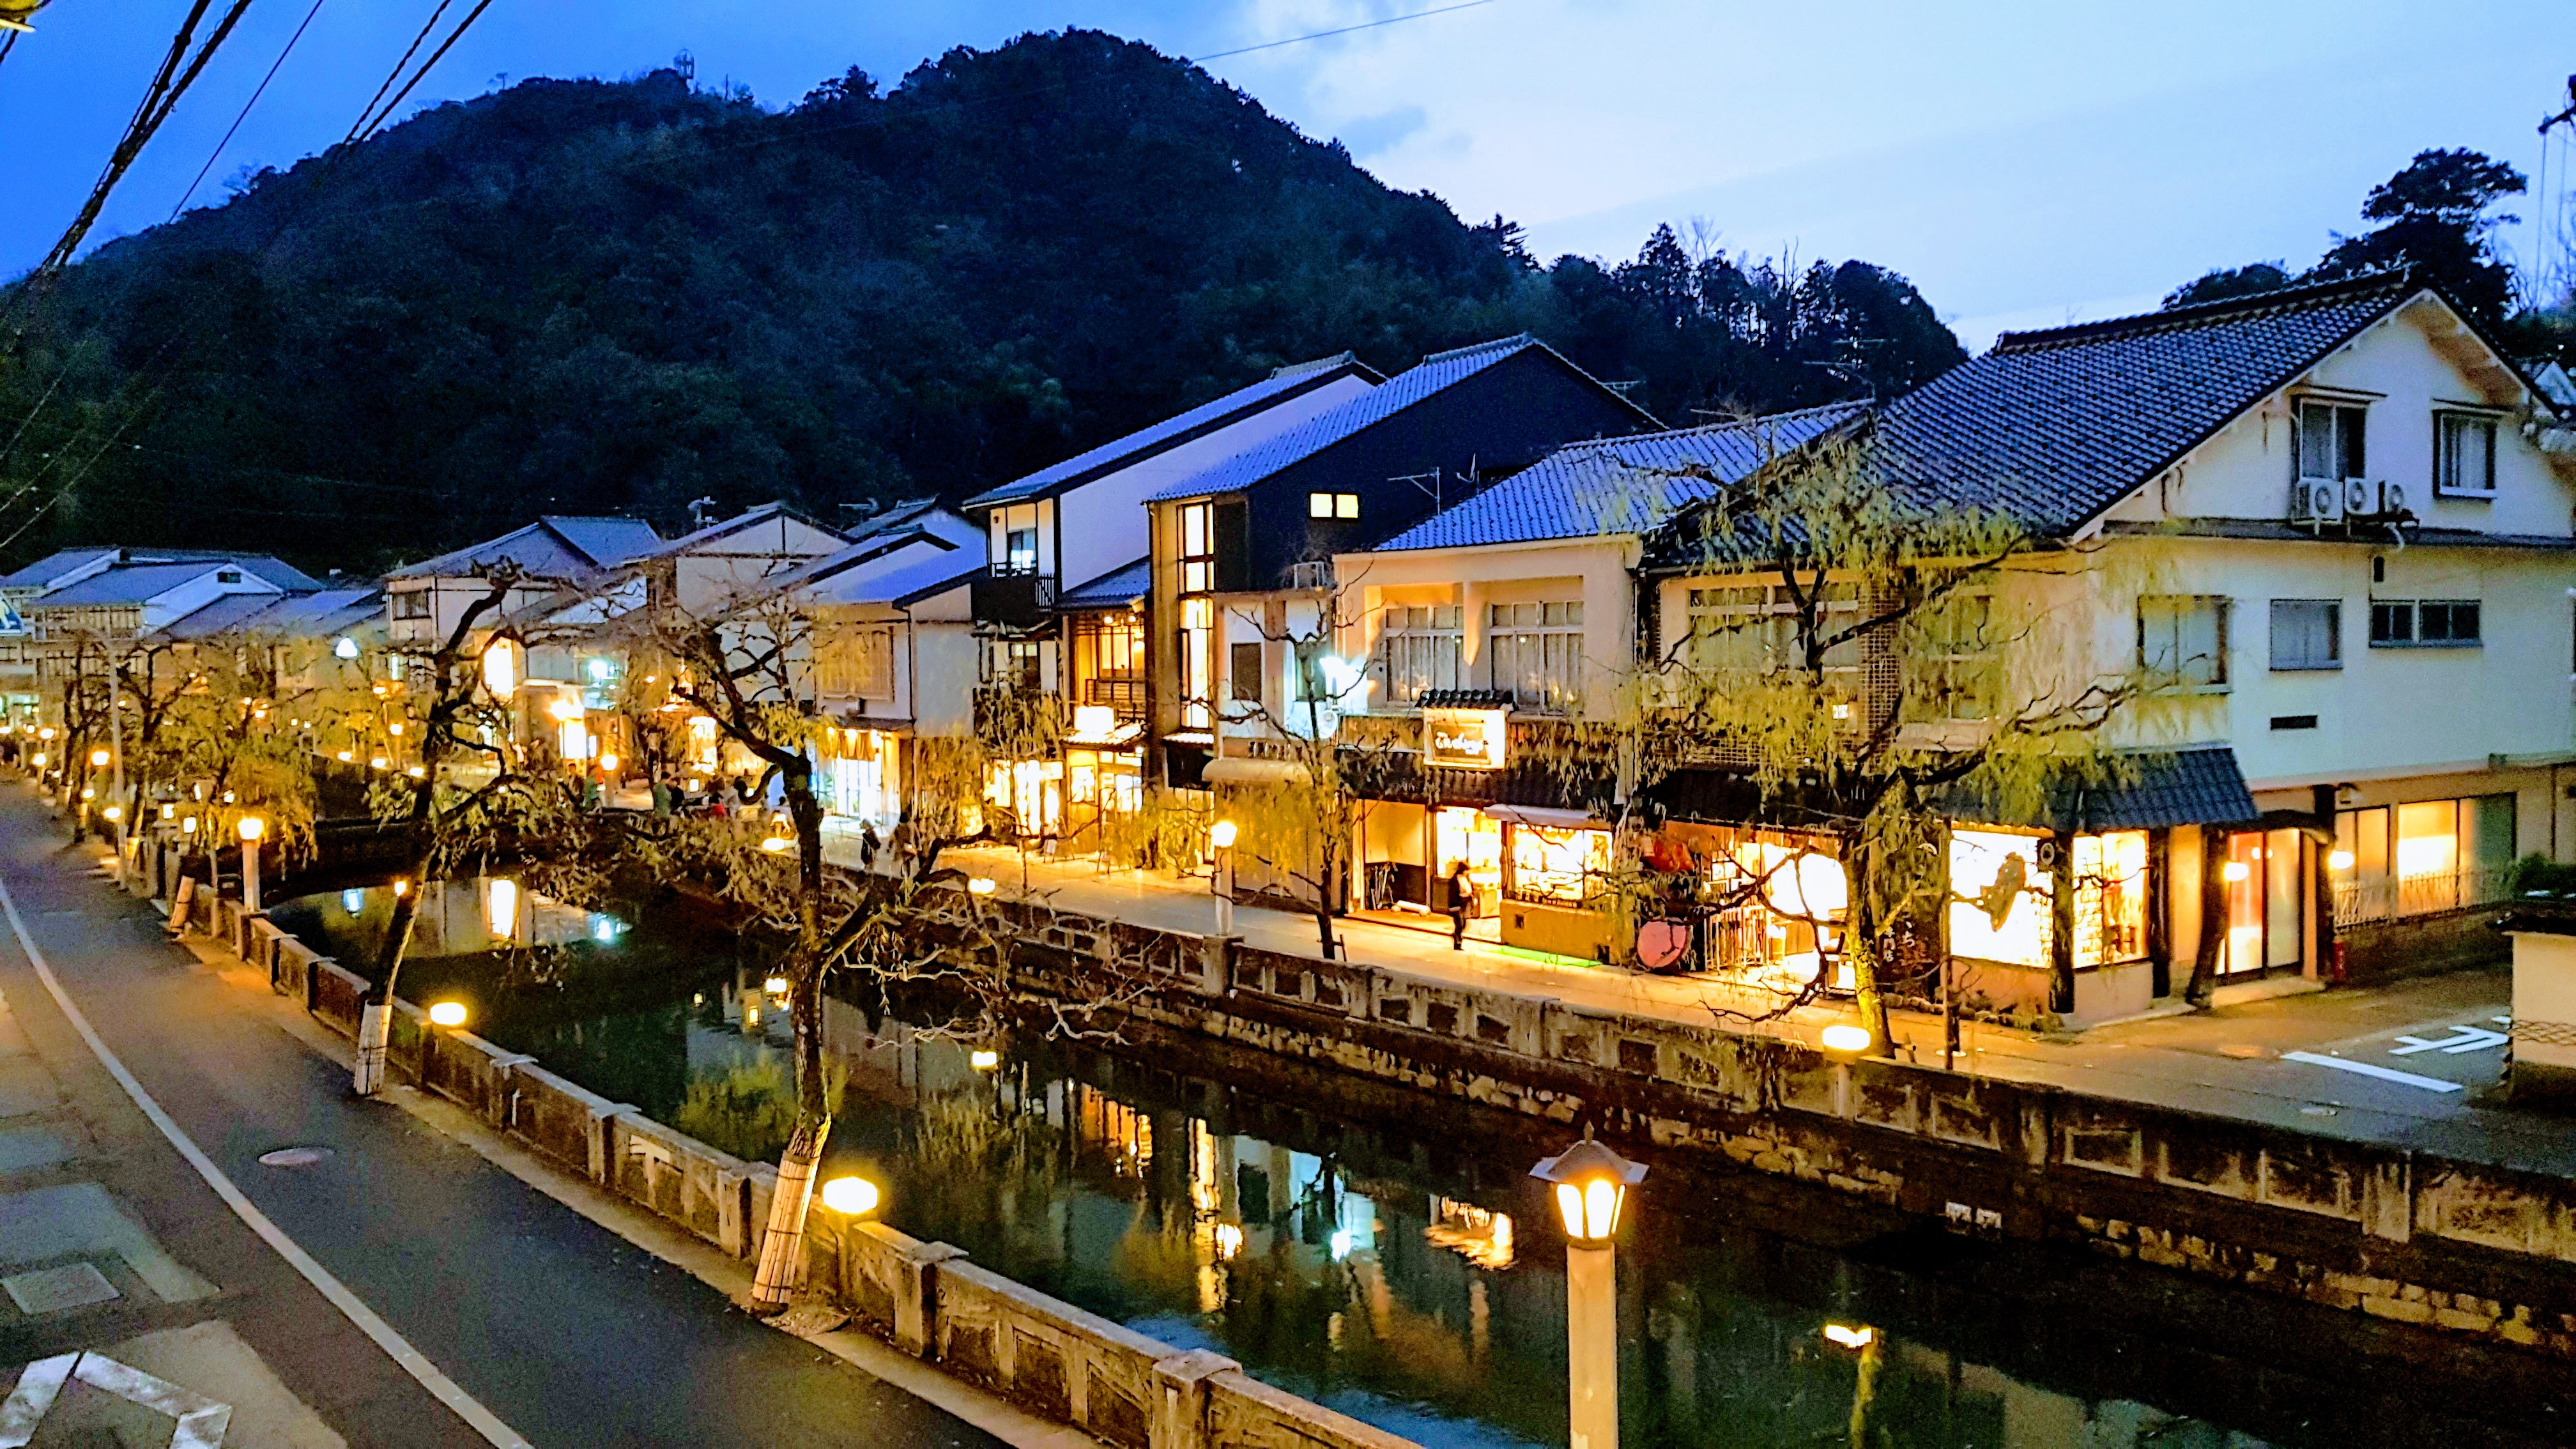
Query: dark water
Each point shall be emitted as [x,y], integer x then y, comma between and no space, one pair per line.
[1378,1260]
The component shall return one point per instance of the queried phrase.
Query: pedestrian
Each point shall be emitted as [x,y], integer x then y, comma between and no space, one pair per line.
[662,791]
[1462,900]
[868,846]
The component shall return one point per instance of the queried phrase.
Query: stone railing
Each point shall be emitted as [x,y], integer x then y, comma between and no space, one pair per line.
[1047,1356]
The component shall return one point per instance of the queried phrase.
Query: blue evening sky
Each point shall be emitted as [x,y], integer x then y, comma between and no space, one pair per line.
[2024,163]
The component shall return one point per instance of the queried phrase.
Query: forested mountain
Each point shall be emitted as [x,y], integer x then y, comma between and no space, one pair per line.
[584,296]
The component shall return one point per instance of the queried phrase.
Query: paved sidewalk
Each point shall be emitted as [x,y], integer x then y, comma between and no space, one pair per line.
[2236,1061]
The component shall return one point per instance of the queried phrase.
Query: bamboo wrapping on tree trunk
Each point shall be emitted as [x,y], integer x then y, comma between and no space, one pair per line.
[375,1034]
[782,1240]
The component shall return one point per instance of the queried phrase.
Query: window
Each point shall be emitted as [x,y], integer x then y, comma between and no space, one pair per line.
[2330,441]
[1020,551]
[2464,454]
[2424,624]
[1198,662]
[1198,548]
[2110,898]
[858,664]
[2307,634]
[2420,856]
[1421,645]
[1952,670]
[1537,653]
[1557,867]
[412,605]
[1015,664]
[2183,638]
[1243,670]
[1332,505]
[1754,628]
[228,576]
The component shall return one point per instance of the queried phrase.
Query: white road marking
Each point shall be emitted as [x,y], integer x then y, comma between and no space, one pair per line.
[201,1421]
[440,1386]
[2462,1039]
[2370,1069]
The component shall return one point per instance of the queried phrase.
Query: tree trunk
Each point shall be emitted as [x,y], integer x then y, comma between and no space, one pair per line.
[782,1239]
[375,1011]
[1860,948]
[2213,917]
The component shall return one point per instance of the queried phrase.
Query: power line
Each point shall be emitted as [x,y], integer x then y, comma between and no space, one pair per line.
[261,90]
[1345,30]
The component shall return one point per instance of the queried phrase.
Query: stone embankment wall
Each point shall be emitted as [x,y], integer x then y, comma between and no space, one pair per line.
[1048,1356]
[2412,1237]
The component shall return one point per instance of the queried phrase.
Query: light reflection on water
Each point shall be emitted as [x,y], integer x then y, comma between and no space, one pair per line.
[1334,1260]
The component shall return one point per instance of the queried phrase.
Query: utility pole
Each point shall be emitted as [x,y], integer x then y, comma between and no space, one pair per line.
[2553,212]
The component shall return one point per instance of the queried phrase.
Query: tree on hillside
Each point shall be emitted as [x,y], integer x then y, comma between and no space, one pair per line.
[1864,667]
[2438,216]
[2223,284]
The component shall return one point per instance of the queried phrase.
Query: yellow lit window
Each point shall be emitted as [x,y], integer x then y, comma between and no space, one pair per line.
[1319,505]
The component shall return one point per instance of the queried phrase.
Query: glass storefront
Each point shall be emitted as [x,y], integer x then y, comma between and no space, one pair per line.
[2422,856]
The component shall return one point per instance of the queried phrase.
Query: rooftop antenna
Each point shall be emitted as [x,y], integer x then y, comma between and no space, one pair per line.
[1429,483]
[699,508]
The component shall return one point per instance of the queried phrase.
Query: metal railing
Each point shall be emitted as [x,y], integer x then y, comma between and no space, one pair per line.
[2396,897]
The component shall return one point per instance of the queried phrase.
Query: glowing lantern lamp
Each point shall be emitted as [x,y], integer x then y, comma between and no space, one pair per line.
[851,1196]
[1846,1038]
[501,667]
[447,1013]
[1591,1183]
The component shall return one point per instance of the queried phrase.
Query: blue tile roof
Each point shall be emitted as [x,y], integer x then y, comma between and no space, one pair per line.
[609,541]
[1618,485]
[1115,589]
[1282,384]
[1439,371]
[2056,426]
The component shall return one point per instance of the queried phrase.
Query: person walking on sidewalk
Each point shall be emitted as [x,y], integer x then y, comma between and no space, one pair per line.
[1462,900]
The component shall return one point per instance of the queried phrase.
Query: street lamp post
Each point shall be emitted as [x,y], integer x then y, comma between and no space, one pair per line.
[251,828]
[1221,874]
[1591,1184]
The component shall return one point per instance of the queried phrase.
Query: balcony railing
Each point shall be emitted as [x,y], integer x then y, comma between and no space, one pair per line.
[2419,895]
[1016,600]
[1131,698]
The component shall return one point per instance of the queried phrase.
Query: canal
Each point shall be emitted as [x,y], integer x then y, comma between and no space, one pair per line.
[1377,1254]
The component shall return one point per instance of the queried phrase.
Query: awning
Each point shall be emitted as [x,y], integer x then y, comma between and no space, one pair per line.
[1238,770]
[1552,818]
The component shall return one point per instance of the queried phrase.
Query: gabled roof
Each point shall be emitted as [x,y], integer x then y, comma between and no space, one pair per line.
[1282,384]
[607,542]
[140,583]
[1433,375]
[1115,589]
[332,611]
[2057,426]
[537,549]
[749,518]
[1618,485]
[61,563]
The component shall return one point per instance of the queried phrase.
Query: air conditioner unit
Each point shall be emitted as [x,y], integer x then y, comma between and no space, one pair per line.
[2392,497]
[2314,500]
[2358,495]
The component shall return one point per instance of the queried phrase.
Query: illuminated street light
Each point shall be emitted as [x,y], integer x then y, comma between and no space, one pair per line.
[775,986]
[984,1059]
[1846,1038]
[501,668]
[250,828]
[1591,1183]
[1221,874]
[982,885]
[1846,1336]
[98,759]
[2235,872]
[2340,860]
[851,1196]
[447,1013]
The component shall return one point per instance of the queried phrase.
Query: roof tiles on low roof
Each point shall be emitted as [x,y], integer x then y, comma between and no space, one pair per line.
[1282,383]
[538,551]
[1618,485]
[1439,371]
[2056,426]
[901,584]
[1115,589]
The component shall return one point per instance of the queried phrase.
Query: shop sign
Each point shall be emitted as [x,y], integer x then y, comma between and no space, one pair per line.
[1463,739]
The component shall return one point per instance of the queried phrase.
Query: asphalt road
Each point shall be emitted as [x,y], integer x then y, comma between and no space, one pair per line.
[564,1330]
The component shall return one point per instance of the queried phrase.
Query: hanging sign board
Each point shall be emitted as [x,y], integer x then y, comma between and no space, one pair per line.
[1463,739]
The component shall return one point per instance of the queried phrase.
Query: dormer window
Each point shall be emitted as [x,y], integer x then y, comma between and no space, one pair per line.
[228,576]
[2330,440]
[2464,454]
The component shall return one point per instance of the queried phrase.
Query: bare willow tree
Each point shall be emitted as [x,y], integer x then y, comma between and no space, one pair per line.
[470,795]
[1336,767]
[1863,665]
[746,665]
